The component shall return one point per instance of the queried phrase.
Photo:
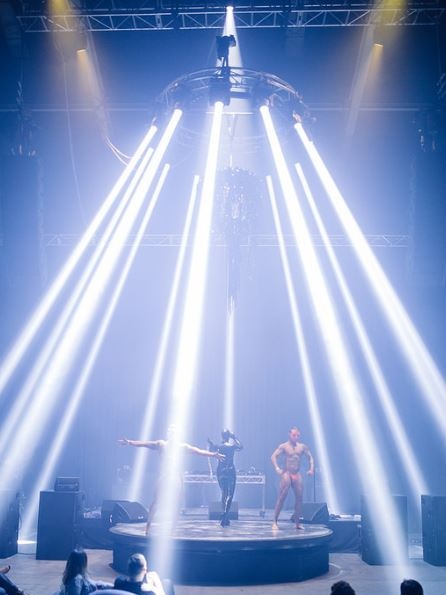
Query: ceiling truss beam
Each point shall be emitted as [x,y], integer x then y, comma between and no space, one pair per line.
[245,18]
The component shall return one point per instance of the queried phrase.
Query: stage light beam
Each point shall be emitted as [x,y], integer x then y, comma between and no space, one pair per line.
[310,391]
[32,327]
[366,453]
[74,400]
[420,362]
[230,29]
[407,455]
[15,416]
[153,394]
[52,380]
[193,308]
[189,338]
[228,409]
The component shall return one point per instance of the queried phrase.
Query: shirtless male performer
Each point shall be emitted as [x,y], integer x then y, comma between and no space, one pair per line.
[292,450]
[169,472]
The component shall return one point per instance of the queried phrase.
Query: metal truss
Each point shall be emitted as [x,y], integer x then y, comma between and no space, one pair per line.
[250,17]
[253,240]
[242,478]
[143,107]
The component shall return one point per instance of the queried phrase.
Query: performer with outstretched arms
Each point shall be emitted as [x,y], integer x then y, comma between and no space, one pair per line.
[292,451]
[226,474]
[167,448]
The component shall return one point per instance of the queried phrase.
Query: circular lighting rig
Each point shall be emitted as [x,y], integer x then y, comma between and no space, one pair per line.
[195,92]
[191,91]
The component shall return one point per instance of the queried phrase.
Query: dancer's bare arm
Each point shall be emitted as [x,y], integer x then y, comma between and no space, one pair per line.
[204,453]
[152,444]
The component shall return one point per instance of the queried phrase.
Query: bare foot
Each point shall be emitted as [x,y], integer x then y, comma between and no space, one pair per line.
[5,569]
[275,526]
[299,527]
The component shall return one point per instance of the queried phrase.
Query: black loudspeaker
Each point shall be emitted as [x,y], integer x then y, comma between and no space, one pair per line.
[58,524]
[372,528]
[128,512]
[9,523]
[107,509]
[433,517]
[215,512]
[313,512]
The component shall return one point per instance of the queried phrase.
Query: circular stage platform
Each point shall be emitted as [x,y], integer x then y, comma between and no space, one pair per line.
[247,552]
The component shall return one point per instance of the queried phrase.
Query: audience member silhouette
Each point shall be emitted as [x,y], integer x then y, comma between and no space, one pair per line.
[342,588]
[75,579]
[140,580]
[411,587]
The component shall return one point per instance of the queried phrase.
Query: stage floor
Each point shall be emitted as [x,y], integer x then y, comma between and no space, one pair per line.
[345,536]
[246,552]
[239,531]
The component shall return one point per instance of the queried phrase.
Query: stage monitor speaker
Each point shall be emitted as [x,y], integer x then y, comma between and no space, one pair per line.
[107,509]
[215,512]
[58,524]
[372,526]
[128,512]
[9,523]
[433,517]
[313,512]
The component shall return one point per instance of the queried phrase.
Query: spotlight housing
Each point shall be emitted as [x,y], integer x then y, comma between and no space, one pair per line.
[261,93]
[220,89]
[181,95]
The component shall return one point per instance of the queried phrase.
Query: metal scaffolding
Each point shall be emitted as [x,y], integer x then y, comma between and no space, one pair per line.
[169,240]
[145,16]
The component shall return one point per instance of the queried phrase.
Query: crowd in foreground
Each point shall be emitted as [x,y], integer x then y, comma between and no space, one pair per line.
[77,581]
[407,587]
[142,581]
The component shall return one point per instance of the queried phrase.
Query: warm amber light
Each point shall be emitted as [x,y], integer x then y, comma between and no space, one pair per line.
[57,7]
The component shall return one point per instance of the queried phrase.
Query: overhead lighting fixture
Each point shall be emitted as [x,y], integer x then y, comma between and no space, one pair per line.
[220,90]
[261,93]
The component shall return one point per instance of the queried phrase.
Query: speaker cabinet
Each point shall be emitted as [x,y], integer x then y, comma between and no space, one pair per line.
[372,528]
[58,524]
[313,512]
[433,517]
[215,512]
[107,509]
[9,523]
[128,512]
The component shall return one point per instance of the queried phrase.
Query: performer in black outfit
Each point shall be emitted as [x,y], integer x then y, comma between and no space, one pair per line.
[226,475]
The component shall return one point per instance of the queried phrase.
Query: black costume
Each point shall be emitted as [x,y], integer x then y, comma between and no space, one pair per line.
[226,475]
